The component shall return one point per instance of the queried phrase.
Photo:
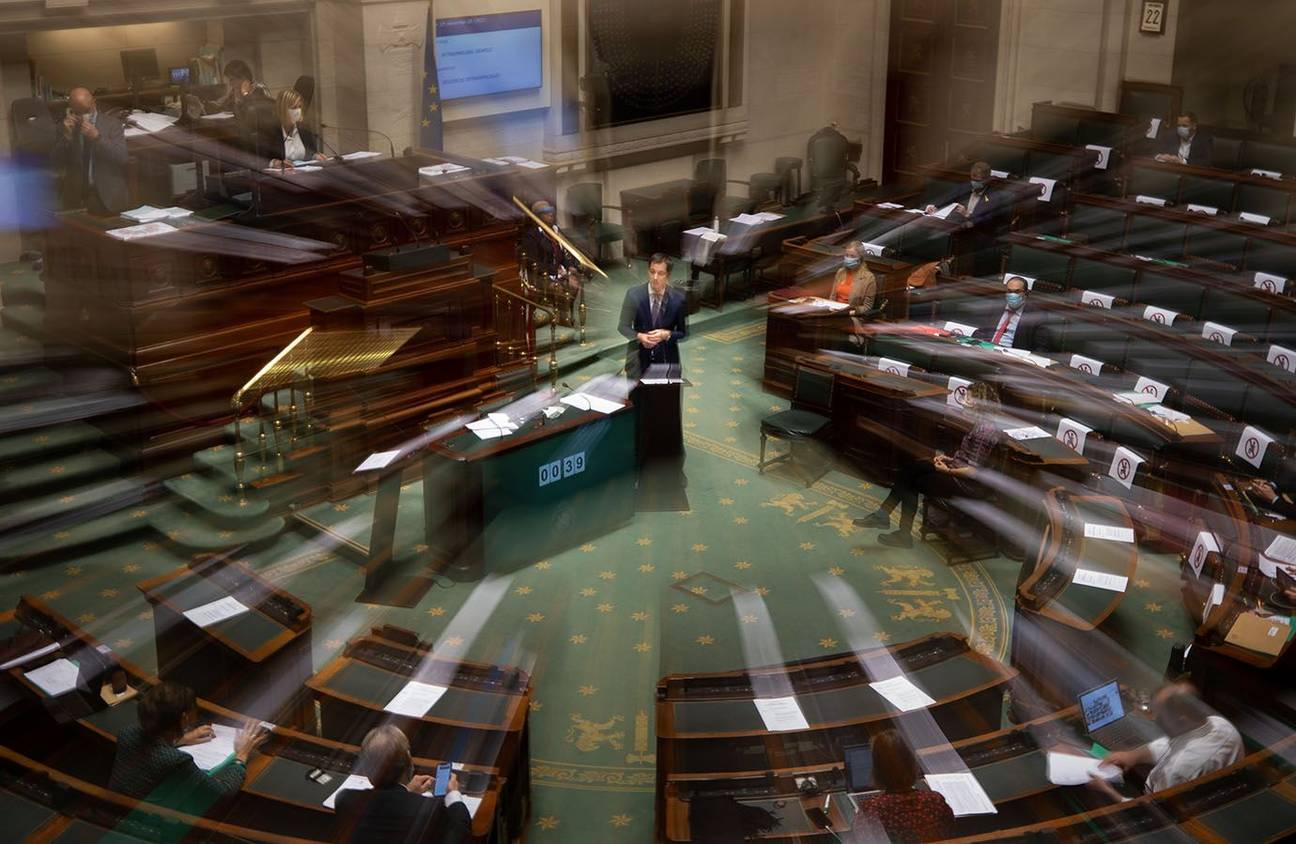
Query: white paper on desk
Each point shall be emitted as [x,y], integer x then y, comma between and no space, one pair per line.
[892,205]
[746,219]
[1135,398]
[1040,361]
[1205,544]
[56,678]
[498,161]
[1070,769]
[1215,598]
[963,793]
[943,213]
[1031,432]
[415,699]
[1030,280]
[220,115]
[355,782]
[1087,365]
[768,216]
[1253,445]
[151,122]
[141,231]
[1282,357]
[360,155]
[713,236]
[1104,155]
[1168,414]
[957,396]
[377,460]
[1161,316]
[145,214]
[1217,333]
[893,367]
[959,329]
[901,693]
[489,433]
[1151,389]
[781,714]
[1270,282]
[29,656]
[1268,174]
[471,802]
[1208,210]
[1144,199]
[1072,434]
[1100,580]
[489,429]
[1114,533]
[531,165]
[1124,466]
[1154,126]
[132,132]
[1094,299]
[1046,195]
[303,162]
[999,174]
[1283,549]
[219,610]
[212,753]
[175,212]
[1248,217]
[874,249]
[829,304]
[585,401]
[501,419]
[1269,567]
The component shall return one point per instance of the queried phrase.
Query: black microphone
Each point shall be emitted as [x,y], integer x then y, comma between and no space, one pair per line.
[390,143]
[337,156]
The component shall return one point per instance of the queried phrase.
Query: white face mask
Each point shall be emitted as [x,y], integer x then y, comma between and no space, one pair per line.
[295,115]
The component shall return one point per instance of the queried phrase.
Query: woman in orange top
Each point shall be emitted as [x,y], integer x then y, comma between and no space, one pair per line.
[854,283]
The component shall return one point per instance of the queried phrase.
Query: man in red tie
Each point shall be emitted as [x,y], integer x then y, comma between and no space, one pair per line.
[1009,330]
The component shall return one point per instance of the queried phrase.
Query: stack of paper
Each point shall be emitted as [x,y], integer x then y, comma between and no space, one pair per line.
[1070,769]
[212,753]
[141,231]
[781,714]
[901,693]
[585,401]
[415,699]
[56,678]
[361,155]
[149,214]
[1168,414]
[209,614]
[378,460]
[1030,433]
[494,425]
[943,213]
[963,793]
[436,170]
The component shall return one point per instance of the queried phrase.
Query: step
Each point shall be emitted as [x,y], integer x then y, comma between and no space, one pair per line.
[213,496]
[70,507]
[34,381]
[55,439]
[57,472]
[192,532]
[42,413]
[112,528]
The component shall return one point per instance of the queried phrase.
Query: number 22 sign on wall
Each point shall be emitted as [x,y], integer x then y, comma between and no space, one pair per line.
[1153,20]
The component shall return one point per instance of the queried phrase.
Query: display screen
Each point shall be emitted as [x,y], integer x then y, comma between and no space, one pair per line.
[488,54]
[1101,706]
[859,768]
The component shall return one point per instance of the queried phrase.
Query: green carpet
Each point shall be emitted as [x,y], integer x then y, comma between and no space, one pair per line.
[603,622]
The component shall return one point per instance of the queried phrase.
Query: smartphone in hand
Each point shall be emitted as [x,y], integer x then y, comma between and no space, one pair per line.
[442,783]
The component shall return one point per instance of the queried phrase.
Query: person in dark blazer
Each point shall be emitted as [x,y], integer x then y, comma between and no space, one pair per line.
[975,203]
[1185,145]
[290,140]
[395,810]
[654,318]
[1013,326]
[90,150]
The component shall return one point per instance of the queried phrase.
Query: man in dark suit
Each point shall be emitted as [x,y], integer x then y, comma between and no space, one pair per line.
[91,153]
[1015,325]
[980,209]
[1185,145]
[654,318]
[395,810]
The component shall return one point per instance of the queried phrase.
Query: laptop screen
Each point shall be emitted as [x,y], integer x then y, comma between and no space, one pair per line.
[859,768]
[1101,706]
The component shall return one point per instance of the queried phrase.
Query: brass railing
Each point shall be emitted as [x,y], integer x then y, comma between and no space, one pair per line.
[504,300]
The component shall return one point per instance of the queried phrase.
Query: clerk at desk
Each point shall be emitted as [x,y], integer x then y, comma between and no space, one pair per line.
[91,152]
[290,140]
[654,318]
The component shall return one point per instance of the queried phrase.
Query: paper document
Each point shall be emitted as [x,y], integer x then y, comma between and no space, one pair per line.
[141,231]
[1248,217]
[1070,769]
[471,802]
[901,693]
[209,614]
[895,206]
[220,115]
[959,329]
[56,678]
[1046,185]
[1205,544]
[436,170]
[943,213]
[416,699]
[963,793]
[150,122]
[212,753]
[1030,433]
[585,401]
[489,429]
[355,782]
[781,714]
[361,155]
[1283,549]
[747,219]
[1104,155]
[1269,281]
[1282,357]
[377,460]
[1208,210]
[1154,126]
[145,214]
[768,216]
[1135,398]
[530,165]
[1143,199]
[1100,580]
[1115,533]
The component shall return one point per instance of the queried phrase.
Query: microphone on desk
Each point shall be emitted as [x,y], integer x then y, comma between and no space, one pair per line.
[337,156]
[390,143]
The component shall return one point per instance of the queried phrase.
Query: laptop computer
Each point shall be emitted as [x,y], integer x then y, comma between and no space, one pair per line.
[1104,718]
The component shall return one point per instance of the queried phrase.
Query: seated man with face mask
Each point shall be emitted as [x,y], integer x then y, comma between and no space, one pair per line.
[1015,325]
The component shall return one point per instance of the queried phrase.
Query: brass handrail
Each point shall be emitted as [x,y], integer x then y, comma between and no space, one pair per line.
[553,329]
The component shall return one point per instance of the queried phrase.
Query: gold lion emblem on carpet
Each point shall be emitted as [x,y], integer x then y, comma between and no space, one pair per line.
[911,576]
[920,609]
[789,503]
[588,735]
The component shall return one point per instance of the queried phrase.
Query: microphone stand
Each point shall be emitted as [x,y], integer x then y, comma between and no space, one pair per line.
[390,143]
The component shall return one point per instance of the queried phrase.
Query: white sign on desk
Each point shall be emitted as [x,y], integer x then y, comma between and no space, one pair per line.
[1046,187]
[1215,598]
[378,460]
[1253,445]
[1248,217]
[781,714]
[216,611]
[1161,316]
[1124,466]
[1032,432]
[1270,282]
[1154,126]
[415,699]
[959,329]
[1282,357]
[1153,389]
[957,396]
[1104,155]
[1114,533]
[1094,299]
[1087,365]
[893,367]
[1072,434]
[1217,333]
[1205,544]
[901,693]
[1100,580]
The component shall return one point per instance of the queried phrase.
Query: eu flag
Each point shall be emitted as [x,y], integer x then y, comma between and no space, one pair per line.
[430,112]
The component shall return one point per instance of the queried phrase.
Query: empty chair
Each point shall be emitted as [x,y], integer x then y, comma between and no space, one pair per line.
[811,389]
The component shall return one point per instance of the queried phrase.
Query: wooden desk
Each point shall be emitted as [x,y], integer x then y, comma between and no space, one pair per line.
[1228,191]
[254,662]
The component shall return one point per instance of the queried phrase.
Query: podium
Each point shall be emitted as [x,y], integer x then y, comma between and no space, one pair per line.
[659,448]
[255,662]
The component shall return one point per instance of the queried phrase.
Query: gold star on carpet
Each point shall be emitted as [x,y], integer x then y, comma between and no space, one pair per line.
[426,122]
[57,470]
[686,514]
[436,612]
[145,615]
[523,590]
[690,425]
[139,514]
[642,647]
[150,546]
[40,439]
[535,617]
[732,423]
[741,482]
[333,644]
[647,568]
[605,607]
[63,535]
[226,534]
[705,639]
[692,410]
[882,636]
[742,565]
[735,395]
[607,575]
[725,502]
[1165,633]
[130,568]
[749,618]
[432,89]
[341,508]
[67,499]
[698,548]
[639,615]
[543,565]
[740,520]
[587,691]
[733,408]
[698,590]
[224,499]
[243,503]
[679,575]
[731,440]
[827,642]
[588,592]
[454,641]
[679,608]
[1143,584]
[836,571]
[620,821]
[807,546]
[86,617]
[857,551]
[643,541]
[123,643]
[173,535]
[846,612]
[535,706]
[738,358]
[1152,606]
[547,822]
[73,571]
[577,639]
[762,591]
[107,593]
[587,547]
[420,548]
[734,382]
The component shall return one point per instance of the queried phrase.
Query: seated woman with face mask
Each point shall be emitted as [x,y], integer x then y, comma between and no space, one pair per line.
[290,140]
[854,283]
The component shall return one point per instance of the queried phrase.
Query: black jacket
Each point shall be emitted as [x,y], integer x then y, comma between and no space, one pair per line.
[104,158]
[987,322]
[636,317]
[394,815]
[1199,154]
[272,143]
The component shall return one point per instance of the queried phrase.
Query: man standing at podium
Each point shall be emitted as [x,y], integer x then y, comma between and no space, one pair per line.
[654,318]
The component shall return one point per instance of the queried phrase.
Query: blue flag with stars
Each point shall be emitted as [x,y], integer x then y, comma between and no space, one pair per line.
[429,134]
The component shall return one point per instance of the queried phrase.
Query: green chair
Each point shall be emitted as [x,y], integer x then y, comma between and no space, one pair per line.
[811,389]
[585,205]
